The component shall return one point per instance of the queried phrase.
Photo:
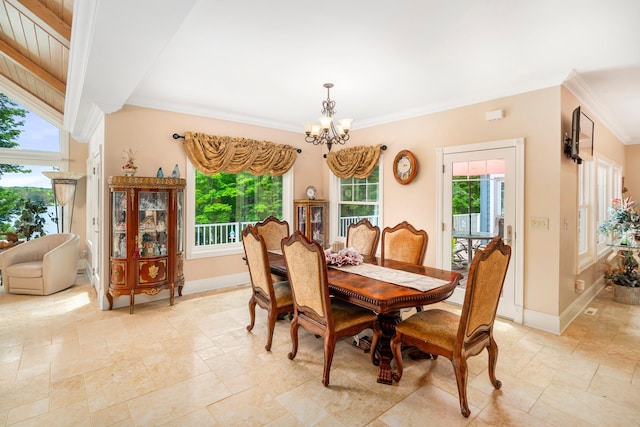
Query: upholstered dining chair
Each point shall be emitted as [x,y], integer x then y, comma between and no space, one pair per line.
[314,309]
[364,237]
[458,337]
[404,243]
[273,297]
[273,231]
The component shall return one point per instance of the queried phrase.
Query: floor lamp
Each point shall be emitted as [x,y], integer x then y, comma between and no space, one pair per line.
[64,190]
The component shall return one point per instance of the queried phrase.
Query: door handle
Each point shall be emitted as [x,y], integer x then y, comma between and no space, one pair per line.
[509,238]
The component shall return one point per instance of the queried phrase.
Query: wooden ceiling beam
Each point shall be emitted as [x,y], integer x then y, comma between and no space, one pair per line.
[24,62]
[45,18]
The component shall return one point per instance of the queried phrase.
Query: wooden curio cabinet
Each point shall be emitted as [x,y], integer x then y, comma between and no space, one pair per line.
[146,248]
[312,220]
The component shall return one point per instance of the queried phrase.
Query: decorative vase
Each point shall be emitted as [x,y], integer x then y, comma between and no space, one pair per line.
[129,171]
[626,294]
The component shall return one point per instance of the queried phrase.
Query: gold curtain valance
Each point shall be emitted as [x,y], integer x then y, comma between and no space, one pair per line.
[356,161]
[211,154]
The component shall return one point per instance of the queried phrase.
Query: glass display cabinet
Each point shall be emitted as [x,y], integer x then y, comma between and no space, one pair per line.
[312,220]
[147,236]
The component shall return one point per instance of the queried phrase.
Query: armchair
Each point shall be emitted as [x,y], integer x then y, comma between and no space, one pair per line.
[41,266]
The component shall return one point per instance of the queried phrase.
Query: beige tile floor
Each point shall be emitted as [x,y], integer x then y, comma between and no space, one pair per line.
[65,363]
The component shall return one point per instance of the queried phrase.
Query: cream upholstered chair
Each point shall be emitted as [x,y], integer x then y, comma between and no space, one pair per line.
[273,297]
[314,309]
[41,266]
[458,337]
[363,237]
[404,243]
[273,231]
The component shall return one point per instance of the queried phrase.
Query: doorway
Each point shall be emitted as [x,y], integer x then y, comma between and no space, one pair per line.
[481,196]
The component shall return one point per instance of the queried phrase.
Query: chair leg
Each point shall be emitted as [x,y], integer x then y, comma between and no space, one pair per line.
[329,347]
[396,350]
[492,349]
[460,369]
[271,324]
[252,313]
[294,337]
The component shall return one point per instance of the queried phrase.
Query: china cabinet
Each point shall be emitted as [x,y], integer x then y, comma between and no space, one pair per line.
[312,220]
[146,248]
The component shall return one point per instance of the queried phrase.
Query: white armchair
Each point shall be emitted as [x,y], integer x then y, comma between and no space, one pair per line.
[41,266]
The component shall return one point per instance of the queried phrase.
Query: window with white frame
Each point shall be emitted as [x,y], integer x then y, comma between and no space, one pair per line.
[598,184]
[357,198]
[220,206]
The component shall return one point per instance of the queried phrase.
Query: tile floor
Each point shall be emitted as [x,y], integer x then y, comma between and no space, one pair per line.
[65,363]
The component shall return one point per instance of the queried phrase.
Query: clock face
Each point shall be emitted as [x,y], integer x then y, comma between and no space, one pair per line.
[405,167]
[311,192]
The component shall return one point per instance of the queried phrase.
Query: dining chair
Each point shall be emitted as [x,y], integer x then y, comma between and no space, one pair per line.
[272,231]
[273,297]
[458,337]
[364,237]
[314,309]
[404,243]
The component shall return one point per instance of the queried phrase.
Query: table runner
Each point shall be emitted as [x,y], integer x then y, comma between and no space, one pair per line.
[397,277]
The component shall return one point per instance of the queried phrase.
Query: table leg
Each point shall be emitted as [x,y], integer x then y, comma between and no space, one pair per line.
[383,355]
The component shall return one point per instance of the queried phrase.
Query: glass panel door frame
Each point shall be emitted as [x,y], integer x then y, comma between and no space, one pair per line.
[444,231]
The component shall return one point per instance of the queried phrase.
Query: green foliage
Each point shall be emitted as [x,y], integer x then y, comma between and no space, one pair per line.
[10,124]
[241,197]
[465,195]
[627,274]
[31,220]
[11,204]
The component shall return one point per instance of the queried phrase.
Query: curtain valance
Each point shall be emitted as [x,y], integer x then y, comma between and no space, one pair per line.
[211,154]
[358,161]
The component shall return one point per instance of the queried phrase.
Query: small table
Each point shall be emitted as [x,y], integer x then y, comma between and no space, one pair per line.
[470,237]
[382,297]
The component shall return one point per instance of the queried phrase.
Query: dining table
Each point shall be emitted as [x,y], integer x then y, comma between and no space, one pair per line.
[379,291]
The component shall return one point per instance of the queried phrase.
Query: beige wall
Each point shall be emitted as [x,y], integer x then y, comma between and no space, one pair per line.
[150,133]
[77,163]
[632,171]
[540,117]
[534,116]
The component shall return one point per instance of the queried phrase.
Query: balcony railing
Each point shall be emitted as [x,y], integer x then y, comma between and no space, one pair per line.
[220,234]
[346,221]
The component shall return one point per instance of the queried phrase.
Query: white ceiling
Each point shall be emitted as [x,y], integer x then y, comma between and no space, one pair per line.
[264,62]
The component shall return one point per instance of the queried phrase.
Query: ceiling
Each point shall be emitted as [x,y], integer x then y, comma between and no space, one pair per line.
[265,63]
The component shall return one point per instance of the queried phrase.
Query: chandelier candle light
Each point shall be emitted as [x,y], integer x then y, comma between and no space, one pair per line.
[326,132]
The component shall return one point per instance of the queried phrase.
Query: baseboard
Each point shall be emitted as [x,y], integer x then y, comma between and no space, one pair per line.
[557,324]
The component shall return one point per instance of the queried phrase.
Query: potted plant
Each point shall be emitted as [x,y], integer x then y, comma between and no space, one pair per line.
[624,221]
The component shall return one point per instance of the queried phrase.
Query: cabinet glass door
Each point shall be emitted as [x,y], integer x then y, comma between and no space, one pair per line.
[180,196]
[317,224]
[119,224]
[152,223]
[302,219]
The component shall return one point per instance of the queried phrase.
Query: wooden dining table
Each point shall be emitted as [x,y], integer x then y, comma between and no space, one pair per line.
[384,298]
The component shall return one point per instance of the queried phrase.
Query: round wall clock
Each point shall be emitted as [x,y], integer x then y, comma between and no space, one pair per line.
[311,192]
[405,167]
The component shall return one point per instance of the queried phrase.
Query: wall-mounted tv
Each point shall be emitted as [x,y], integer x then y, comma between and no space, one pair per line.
[579,146]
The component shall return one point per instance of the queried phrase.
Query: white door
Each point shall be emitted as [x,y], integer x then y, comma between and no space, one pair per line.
[481,199]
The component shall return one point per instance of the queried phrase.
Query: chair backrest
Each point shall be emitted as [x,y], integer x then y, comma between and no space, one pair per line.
[307,272]
[404,243]
[484,285]
[258,262]
[363,237]
[273,231]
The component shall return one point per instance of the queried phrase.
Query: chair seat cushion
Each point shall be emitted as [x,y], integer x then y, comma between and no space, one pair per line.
[25,269]
[282,291]
[346,315]
[436,326]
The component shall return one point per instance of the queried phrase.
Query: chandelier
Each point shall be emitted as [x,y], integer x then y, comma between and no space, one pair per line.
[326,132]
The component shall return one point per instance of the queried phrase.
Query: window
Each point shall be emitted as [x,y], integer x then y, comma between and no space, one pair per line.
[356,199]
[220,206]
[598,184]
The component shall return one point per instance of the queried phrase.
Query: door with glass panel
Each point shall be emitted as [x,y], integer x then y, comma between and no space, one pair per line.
[479,202]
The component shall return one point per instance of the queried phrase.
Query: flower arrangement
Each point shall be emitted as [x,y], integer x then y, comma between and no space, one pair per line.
[627,273]
[346,256]
[623,218]
[129,167]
